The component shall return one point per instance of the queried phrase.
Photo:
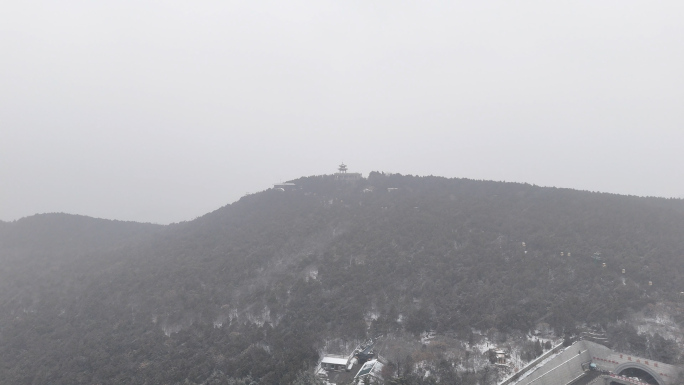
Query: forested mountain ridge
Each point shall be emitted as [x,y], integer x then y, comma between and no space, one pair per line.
[255,287]
[65,231]
[44,248]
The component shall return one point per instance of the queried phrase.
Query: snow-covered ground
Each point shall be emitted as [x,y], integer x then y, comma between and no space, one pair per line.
[659,319]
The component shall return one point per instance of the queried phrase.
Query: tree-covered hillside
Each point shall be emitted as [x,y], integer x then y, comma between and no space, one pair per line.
[254,289]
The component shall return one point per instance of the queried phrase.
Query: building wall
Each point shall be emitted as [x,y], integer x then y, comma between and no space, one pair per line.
[616,362]
[352,176]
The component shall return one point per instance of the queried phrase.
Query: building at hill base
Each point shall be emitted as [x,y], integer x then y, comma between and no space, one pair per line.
[589,363]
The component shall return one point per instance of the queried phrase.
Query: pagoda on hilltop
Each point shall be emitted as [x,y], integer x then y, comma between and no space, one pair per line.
[343,175]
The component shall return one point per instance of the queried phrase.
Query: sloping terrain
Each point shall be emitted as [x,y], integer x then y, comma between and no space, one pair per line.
[254,288]
[42,251]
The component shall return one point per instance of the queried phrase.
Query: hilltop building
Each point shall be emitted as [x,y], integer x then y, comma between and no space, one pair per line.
[287,186]
[343,175]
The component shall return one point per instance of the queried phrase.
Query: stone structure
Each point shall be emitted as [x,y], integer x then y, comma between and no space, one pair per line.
[566,367]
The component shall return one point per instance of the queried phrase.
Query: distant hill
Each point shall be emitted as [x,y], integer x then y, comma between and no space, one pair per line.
[63,232]
[41,243]
[255,287]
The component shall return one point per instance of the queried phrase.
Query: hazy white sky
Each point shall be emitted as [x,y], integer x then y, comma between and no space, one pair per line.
[161,111]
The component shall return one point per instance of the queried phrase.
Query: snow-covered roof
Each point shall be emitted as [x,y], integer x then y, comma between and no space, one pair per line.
[334,360]
[366,368]
[374,367]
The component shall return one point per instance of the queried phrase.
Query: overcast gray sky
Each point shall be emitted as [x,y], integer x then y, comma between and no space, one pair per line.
[162,111]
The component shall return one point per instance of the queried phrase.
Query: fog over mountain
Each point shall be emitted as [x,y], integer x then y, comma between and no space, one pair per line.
[160,112]
[256,291]
[416,193]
